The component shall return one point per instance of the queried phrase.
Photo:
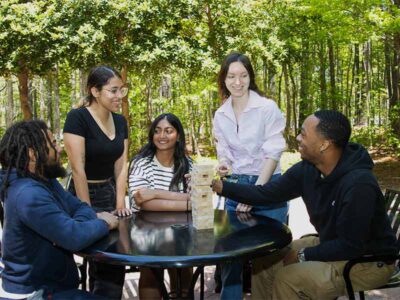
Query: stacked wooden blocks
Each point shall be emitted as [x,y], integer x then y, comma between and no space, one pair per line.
[202,195]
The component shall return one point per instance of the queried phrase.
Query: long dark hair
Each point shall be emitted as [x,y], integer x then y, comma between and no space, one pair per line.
[231,58]
[14,152]
[181,161]
[98,77]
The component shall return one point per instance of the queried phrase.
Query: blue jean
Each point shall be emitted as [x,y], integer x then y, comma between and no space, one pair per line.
[231,273]
[105,280]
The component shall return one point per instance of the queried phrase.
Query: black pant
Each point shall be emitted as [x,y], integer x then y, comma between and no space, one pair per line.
[104,279]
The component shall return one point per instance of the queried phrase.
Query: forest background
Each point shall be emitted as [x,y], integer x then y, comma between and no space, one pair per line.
[308,55]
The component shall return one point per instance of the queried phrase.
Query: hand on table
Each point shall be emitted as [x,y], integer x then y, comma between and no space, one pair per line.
[188,177]
[246,218]
[123,212]
[109,218]
[243,207]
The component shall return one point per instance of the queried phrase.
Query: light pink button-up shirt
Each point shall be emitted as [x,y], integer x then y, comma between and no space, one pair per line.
[257,136]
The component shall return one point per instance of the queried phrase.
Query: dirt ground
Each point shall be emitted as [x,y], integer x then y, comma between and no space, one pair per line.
[387,169]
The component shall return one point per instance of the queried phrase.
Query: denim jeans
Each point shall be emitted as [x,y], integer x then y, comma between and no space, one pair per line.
[231,273]
[104,279]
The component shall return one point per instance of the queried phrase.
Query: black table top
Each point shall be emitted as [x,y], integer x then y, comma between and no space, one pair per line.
[168,239]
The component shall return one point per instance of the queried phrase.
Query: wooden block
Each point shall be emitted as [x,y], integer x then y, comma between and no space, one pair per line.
[202,174]
[201,193]
[203,222]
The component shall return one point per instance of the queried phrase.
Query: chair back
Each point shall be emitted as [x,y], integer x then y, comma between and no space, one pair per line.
[392,202]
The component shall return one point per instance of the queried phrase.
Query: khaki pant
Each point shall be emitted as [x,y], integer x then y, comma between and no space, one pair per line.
[312,279]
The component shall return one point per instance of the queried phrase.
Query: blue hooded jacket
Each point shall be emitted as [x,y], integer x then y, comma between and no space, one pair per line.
[43,225]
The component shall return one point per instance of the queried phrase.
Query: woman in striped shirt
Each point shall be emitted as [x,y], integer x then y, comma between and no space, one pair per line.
[157,183]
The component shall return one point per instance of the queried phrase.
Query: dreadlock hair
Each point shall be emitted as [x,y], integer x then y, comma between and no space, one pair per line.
[181,162]
[14,152]
[15,145]
[335,126]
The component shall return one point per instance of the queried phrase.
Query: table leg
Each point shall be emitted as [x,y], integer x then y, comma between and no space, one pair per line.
[199,272]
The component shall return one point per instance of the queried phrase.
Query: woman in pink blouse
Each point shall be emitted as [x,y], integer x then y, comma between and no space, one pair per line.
[249,131]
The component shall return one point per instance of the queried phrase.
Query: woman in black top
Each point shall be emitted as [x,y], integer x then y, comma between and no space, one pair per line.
[96,141]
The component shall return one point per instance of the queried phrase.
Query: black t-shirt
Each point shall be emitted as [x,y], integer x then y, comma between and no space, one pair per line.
[100,152]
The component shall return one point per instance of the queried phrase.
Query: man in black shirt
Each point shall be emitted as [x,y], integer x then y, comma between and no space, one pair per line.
[345,205]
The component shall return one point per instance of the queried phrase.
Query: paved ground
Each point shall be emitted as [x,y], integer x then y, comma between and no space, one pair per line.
[299,224]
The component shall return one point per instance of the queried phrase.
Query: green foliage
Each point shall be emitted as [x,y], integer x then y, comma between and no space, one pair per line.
[184,41]
[377,137]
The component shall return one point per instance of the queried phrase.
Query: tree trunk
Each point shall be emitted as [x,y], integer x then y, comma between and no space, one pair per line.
[56,111]
[394,102]
[294,106]
[32,98]
[82,83]
[357,92]
[125,102]
[74,101]
[322,76]
[10,102]
[288,99]
[49,102]
[149,106]
[367,69]
[23,93]
[305,81]
[42,99]
[349,84]
[333,93]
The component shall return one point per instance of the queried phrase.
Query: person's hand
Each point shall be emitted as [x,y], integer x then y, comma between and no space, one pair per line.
[143,195]
[123,212]
[223,169]
[243,207]
[188,177]
[246,218]
[290,258]
[216,186]
[109,218]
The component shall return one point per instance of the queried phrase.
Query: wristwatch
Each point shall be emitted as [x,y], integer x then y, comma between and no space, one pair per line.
[300,255]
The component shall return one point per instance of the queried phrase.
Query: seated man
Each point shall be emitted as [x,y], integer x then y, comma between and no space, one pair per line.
[345,205]
[43,224]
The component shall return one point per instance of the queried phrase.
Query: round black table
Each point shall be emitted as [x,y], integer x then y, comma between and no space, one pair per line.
[168,240]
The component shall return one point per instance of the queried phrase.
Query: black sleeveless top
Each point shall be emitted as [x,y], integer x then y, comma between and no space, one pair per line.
[100,152]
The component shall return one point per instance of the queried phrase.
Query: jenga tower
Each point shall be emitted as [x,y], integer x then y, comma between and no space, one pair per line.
[202,195]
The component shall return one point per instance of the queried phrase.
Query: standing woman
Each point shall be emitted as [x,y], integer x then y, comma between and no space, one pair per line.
[249,131]
[157,183]
[96,142]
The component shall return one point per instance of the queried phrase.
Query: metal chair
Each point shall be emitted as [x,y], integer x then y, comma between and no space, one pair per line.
[392,201]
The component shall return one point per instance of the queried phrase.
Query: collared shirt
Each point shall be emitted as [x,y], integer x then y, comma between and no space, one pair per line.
[258,134]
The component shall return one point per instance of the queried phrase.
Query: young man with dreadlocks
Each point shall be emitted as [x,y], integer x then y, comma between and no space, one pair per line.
[345,205]
[43,224]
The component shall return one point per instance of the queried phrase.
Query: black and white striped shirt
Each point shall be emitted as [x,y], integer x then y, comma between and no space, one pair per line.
[149,173]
